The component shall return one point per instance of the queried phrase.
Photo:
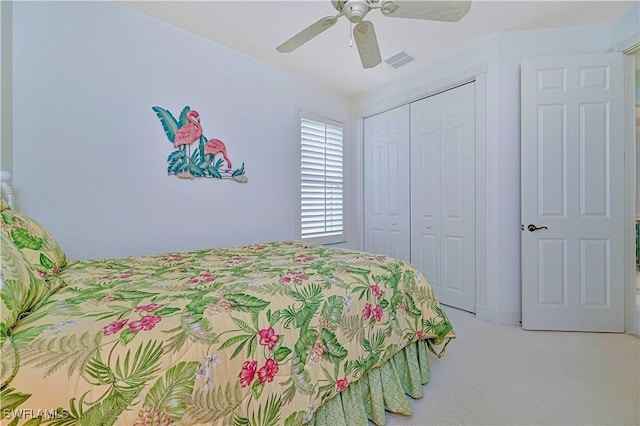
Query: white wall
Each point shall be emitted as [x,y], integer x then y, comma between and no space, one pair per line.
[502,54]
[6,142]
[90,154]
[624,32]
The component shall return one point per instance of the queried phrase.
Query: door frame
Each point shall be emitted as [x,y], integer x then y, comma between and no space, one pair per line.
[478,74]
[631,313]
[628,47]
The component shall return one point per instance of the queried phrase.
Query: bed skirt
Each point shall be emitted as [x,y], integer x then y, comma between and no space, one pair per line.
[384,388]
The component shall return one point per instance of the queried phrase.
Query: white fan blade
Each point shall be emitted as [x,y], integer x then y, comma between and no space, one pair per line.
[367,44]
[307,34]
[450,11]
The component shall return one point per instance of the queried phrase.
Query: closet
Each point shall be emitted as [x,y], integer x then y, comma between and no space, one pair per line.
[419,190]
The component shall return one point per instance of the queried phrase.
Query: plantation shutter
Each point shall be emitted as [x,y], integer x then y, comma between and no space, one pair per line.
[321,188]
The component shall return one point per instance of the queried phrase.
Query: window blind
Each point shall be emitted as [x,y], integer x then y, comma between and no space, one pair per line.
[321,189]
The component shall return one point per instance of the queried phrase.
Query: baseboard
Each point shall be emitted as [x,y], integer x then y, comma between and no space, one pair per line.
[485,314]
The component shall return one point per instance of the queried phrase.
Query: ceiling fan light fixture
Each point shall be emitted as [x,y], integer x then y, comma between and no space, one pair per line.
[356,10]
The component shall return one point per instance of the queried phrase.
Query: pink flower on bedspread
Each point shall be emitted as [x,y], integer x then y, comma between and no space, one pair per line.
[248,372]
[268,337]
[108,298]
[366,312]
[268,372]
[207,277]
[377,313]
[114,327]
[342,384]
[297,275]
[376,291]
[148,308]
[145,323]
[294,275]
[126,274]
[172,257]
[236,259]
[303,258]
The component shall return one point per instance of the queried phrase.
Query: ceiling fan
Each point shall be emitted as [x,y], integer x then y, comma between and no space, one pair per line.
[364,33]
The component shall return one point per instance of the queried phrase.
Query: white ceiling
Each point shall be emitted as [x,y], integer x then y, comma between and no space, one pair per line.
[257,27]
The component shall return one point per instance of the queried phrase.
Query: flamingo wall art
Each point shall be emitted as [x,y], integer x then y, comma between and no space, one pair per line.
[201,161]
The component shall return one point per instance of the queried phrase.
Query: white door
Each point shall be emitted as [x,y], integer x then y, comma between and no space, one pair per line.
[386,183]
[573,189]
[443,194]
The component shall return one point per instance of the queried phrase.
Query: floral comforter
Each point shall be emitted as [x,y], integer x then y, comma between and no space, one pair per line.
[254,335]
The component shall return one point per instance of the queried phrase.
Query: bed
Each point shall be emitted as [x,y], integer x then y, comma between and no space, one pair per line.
[278,333]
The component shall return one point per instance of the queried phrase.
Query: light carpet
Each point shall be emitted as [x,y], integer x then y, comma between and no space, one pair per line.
[503,375]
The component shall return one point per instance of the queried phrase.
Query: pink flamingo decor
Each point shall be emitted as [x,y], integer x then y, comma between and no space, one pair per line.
[216,146]
[186,131]
[189,132]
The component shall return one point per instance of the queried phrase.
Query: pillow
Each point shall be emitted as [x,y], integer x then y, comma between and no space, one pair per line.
[36,244]
[22,286]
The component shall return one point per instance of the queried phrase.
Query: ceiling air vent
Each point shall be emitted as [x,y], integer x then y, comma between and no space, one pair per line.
[399,59]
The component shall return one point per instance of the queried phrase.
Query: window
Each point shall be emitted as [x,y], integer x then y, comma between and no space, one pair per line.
[321,180]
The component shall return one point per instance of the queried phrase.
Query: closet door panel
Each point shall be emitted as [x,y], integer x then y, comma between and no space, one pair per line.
[452,173]
[386,183]
[427,245]
[453,248]
[425,188]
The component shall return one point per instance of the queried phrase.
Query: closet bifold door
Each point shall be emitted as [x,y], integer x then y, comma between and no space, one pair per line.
[442,181]
[386,183]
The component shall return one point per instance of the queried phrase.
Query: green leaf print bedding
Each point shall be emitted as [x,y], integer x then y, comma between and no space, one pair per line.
[253,335]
